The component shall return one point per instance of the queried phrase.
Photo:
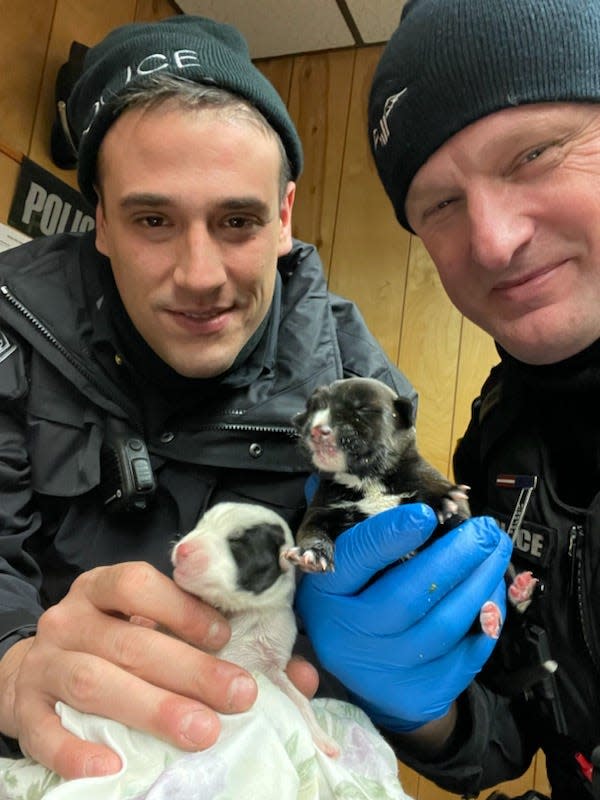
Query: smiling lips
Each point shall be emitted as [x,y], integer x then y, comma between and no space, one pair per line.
[209,321]
[531,277]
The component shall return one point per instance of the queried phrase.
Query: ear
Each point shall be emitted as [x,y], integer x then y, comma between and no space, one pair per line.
[101,238]
[404,411]
[285,218]
[299,420]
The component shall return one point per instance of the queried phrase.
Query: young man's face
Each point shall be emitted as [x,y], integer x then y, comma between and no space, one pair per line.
[509,210]
[191,220]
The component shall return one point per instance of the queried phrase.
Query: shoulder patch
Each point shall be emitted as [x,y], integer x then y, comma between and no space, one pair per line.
[7,348]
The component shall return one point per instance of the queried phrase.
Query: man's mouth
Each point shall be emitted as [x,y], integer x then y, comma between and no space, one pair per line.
[530,277]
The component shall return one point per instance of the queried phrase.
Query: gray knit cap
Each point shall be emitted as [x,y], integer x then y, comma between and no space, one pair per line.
[451,62]
[195,48]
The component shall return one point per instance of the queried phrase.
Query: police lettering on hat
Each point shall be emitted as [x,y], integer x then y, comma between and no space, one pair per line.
[195,48]
[451,62]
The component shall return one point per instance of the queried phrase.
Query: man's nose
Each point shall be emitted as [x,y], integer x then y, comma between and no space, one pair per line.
[499,225]
[200,265]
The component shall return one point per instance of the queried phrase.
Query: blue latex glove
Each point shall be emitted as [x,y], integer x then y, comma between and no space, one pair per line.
[404,643]
[311,486]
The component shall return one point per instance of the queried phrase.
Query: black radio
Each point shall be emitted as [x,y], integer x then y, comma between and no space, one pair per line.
[126,478]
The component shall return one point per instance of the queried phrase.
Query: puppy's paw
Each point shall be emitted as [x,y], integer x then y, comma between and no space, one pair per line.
[521,590]
[318,558]
[490,619]
[454,503]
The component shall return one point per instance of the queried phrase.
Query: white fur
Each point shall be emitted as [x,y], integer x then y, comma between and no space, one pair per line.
[375,498]
[263,626]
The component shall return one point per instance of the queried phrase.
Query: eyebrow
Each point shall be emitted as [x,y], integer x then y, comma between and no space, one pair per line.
[152,200]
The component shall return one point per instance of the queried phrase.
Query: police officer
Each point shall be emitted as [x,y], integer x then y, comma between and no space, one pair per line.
[484,122]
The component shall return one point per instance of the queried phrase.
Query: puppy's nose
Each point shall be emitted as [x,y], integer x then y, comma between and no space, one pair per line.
[320,432]
[182,551]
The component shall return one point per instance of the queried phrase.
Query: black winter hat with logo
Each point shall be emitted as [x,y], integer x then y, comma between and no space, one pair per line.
[195,48]
[451,62]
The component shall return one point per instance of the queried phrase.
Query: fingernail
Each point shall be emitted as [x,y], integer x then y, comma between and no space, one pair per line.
[242,693]
[198,728]
[95,766]
[217,636]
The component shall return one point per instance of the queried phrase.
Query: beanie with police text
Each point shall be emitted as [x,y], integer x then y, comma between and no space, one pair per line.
[194,48]
[451,62]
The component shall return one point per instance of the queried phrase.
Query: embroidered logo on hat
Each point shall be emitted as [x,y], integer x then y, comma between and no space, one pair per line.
[174,61]
[381,133]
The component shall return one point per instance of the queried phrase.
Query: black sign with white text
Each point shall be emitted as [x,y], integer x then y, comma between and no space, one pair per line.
[43,204]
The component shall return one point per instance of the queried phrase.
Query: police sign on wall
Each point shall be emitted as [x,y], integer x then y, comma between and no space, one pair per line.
[43,204]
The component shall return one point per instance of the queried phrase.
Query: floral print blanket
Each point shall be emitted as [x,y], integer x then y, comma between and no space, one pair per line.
[266,753]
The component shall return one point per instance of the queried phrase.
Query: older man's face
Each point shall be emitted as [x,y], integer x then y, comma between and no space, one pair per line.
[509,210]
[192,222]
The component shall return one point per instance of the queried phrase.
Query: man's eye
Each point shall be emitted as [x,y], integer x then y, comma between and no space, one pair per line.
[436,208]
[153,222]
[239,222]
[534,154]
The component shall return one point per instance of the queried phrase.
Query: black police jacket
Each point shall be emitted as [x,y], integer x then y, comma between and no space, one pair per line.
[58,400]
[543,422]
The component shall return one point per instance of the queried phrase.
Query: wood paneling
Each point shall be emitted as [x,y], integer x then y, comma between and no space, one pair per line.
[319,104]
[429,348]
[279,72]
[9,172]
[24,39]
[83,22]
[477,356]
[370,250]
[151,10]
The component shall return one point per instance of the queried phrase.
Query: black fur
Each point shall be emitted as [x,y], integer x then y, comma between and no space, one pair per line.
[256,553]
[370,429]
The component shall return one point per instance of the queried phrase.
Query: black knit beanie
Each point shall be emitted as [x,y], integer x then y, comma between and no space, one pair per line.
[194,48]
[451,62]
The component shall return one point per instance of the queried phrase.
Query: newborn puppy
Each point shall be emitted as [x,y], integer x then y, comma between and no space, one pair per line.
[359,435]
[232,560]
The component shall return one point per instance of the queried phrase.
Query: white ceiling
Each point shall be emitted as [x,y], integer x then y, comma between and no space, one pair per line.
[282,27]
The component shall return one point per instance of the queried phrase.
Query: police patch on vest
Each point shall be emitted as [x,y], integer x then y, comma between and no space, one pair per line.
[7,348]
[533,543]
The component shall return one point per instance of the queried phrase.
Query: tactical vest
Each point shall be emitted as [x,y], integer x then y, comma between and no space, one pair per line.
[560,544]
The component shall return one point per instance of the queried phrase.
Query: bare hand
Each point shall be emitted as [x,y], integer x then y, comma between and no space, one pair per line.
[88,654]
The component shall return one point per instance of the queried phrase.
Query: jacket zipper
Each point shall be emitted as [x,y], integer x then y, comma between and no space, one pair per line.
[286,430]
[50,338]
[41,329]
[576,587]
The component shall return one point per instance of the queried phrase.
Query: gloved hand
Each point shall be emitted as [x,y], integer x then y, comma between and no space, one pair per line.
[403,643]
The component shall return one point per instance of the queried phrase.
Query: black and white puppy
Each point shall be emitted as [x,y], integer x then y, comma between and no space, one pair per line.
[233,560]
[360,437]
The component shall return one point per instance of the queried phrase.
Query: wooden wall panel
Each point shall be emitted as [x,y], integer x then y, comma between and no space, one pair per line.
[319,103]
[541,778]
[86,23]
[429,347]
[370,250]
[9,172]
[151,10]
[279,72]
[477,356]
[23,43]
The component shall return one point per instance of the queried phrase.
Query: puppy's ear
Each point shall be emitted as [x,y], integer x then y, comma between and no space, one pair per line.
[299,420]
[404,411]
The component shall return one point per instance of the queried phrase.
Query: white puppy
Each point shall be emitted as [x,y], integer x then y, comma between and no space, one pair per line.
[232,560]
